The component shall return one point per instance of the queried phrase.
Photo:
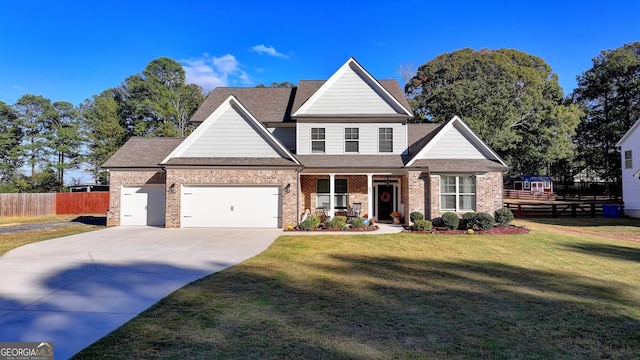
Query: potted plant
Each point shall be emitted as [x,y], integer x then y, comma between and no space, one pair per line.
[396,217]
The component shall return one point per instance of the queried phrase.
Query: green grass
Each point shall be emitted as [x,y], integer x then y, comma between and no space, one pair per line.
[12,241]
[543,295]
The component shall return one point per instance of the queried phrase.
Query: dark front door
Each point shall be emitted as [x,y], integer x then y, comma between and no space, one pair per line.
[385,202]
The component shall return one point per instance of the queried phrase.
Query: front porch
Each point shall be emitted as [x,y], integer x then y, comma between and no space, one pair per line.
[379,194]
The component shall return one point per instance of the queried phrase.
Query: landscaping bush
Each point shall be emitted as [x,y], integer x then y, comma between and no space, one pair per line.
[481,221]
[422,225]
[415,215]
[467,221]
[310,223]
[451,220]
[357,222]
[503,216]
[437,222]
[337,222]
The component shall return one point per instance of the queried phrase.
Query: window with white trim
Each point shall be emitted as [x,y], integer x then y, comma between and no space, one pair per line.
[457,193]
[351,140]
[317,140]
[628,161]
[341,191]
[385,140]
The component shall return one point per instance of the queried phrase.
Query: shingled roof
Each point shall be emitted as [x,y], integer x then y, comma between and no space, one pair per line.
[142,152]
[265,104]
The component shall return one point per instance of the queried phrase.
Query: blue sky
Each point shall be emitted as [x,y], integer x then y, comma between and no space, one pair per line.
[71,50]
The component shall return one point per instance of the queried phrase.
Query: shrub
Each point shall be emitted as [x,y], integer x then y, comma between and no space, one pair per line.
[467,220]
[337,222]
[310,223]
[422,225]
[481,221]
[503,216]
[415,215]
[437,222]
[451,220]
[357,222]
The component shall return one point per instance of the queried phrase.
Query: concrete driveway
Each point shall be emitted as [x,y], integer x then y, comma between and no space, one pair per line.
[74,290]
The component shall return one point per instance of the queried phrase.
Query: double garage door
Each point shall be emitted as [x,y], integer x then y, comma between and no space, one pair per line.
[203,206]
[223,206]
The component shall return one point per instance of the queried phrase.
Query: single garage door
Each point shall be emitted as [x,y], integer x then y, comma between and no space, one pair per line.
[216,206]
[142,205]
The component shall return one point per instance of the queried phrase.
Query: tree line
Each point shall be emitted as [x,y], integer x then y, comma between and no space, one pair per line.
[511,99]
[47,140]
[514,102]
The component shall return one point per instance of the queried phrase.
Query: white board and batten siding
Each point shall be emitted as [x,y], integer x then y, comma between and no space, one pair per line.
[230,136]
[350,95]
[454,145]
[230,206]
[334,137]
[631,183]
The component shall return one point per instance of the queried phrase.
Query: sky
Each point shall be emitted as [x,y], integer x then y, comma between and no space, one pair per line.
[70,50]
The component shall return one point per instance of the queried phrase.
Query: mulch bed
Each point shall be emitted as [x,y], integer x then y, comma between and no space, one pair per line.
[504,230]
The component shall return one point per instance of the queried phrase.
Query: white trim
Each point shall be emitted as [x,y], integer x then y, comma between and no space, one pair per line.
[355,66]
[627,135]
[446,128]
[211,119]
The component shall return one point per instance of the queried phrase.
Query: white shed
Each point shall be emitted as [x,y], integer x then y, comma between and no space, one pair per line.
[629,149]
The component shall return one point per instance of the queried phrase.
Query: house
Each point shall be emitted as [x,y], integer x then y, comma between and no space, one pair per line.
[629,146]
[260,157]
[534,183]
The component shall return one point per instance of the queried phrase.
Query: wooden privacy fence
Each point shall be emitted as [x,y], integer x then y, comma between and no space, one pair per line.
[557,210]
[27,204]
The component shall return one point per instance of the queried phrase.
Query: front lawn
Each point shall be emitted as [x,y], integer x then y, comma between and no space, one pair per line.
[543,295]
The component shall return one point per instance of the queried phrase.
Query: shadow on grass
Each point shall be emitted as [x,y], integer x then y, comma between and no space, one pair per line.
[585,221]
[356,307]
[610,251]
[91,220]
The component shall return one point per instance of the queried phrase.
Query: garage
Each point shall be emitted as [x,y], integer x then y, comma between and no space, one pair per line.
[232,207]
[142,205]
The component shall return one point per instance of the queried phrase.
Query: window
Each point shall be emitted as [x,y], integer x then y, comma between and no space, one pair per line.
[341,193]
[351,140]
[628,162]
[385,140]
[317,140]
[457,193]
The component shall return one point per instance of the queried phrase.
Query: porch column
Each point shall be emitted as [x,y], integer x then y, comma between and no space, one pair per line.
[332,195]
[370,195]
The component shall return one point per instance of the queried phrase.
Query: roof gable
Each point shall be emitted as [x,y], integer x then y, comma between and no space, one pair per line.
[629,134]
[454,140]
[230,131]
[352,91]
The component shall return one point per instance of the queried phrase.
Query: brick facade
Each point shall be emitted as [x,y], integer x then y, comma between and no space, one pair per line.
[119,178]
[232,177]
[488,194]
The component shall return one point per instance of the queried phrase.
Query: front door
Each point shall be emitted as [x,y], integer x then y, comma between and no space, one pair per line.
[385,202]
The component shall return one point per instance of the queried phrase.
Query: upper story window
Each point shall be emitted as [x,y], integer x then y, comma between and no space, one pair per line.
[385,140]
[457,193]
[628,162]
[351,140]
[317,140]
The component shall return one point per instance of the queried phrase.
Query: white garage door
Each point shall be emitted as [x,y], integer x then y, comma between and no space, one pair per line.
[142,205]
[209,206]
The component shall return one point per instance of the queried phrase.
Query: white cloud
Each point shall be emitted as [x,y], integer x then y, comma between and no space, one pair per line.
[269,50]
[210,71]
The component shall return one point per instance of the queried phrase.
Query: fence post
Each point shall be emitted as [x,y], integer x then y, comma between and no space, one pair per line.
[519,211]
[593,209]
[573,210]
[554,210]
